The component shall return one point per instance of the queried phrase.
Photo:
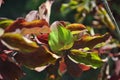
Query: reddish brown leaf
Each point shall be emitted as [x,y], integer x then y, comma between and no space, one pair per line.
[38,58]
[21,23]
[84,67]
[90,41]
[43,38]
[62,67]
[15,25]
[52,70]
[9,70]
[73,68]
[3,57]
[35,30]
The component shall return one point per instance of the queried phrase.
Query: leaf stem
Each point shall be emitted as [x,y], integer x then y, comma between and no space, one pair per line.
[112,17]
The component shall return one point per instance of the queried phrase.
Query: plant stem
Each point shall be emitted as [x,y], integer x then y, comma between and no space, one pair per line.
[112,17]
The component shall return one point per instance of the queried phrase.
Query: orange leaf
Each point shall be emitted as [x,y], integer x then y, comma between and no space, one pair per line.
[76,27]
[21,23]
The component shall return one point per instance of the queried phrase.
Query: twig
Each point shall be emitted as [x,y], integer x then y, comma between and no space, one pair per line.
[112,17]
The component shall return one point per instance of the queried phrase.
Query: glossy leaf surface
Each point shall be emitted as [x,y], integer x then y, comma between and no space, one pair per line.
[19,42]
[88,58]
[21,23]
[60,39]
[90,41]
[75,27]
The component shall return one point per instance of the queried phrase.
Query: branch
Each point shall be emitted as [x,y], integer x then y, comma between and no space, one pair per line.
[112,17]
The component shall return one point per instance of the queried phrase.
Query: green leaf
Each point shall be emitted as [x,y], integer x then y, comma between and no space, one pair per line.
[19,42]
[88,58]
[5,22]
[60,39]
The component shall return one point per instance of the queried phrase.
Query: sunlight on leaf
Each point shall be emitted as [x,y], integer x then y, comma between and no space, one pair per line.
[22,23]
[1,31]
[88,58]
[90,41]
[18,41]
[75,27]
[60,39]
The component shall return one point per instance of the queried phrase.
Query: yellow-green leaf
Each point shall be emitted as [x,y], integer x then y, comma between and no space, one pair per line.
[88,58]
[19,42]
[5,22]
[60,39]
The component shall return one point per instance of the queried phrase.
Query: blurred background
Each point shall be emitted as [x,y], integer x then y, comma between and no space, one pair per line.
[19,8]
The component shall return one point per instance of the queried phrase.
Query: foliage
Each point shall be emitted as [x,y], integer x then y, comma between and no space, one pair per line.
[34,47]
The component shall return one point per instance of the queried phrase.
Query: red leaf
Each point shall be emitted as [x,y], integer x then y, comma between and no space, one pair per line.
[43,38]
[90,41]
[9,70]
[62,67]
[3,56]
[84,67]
[73,68]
